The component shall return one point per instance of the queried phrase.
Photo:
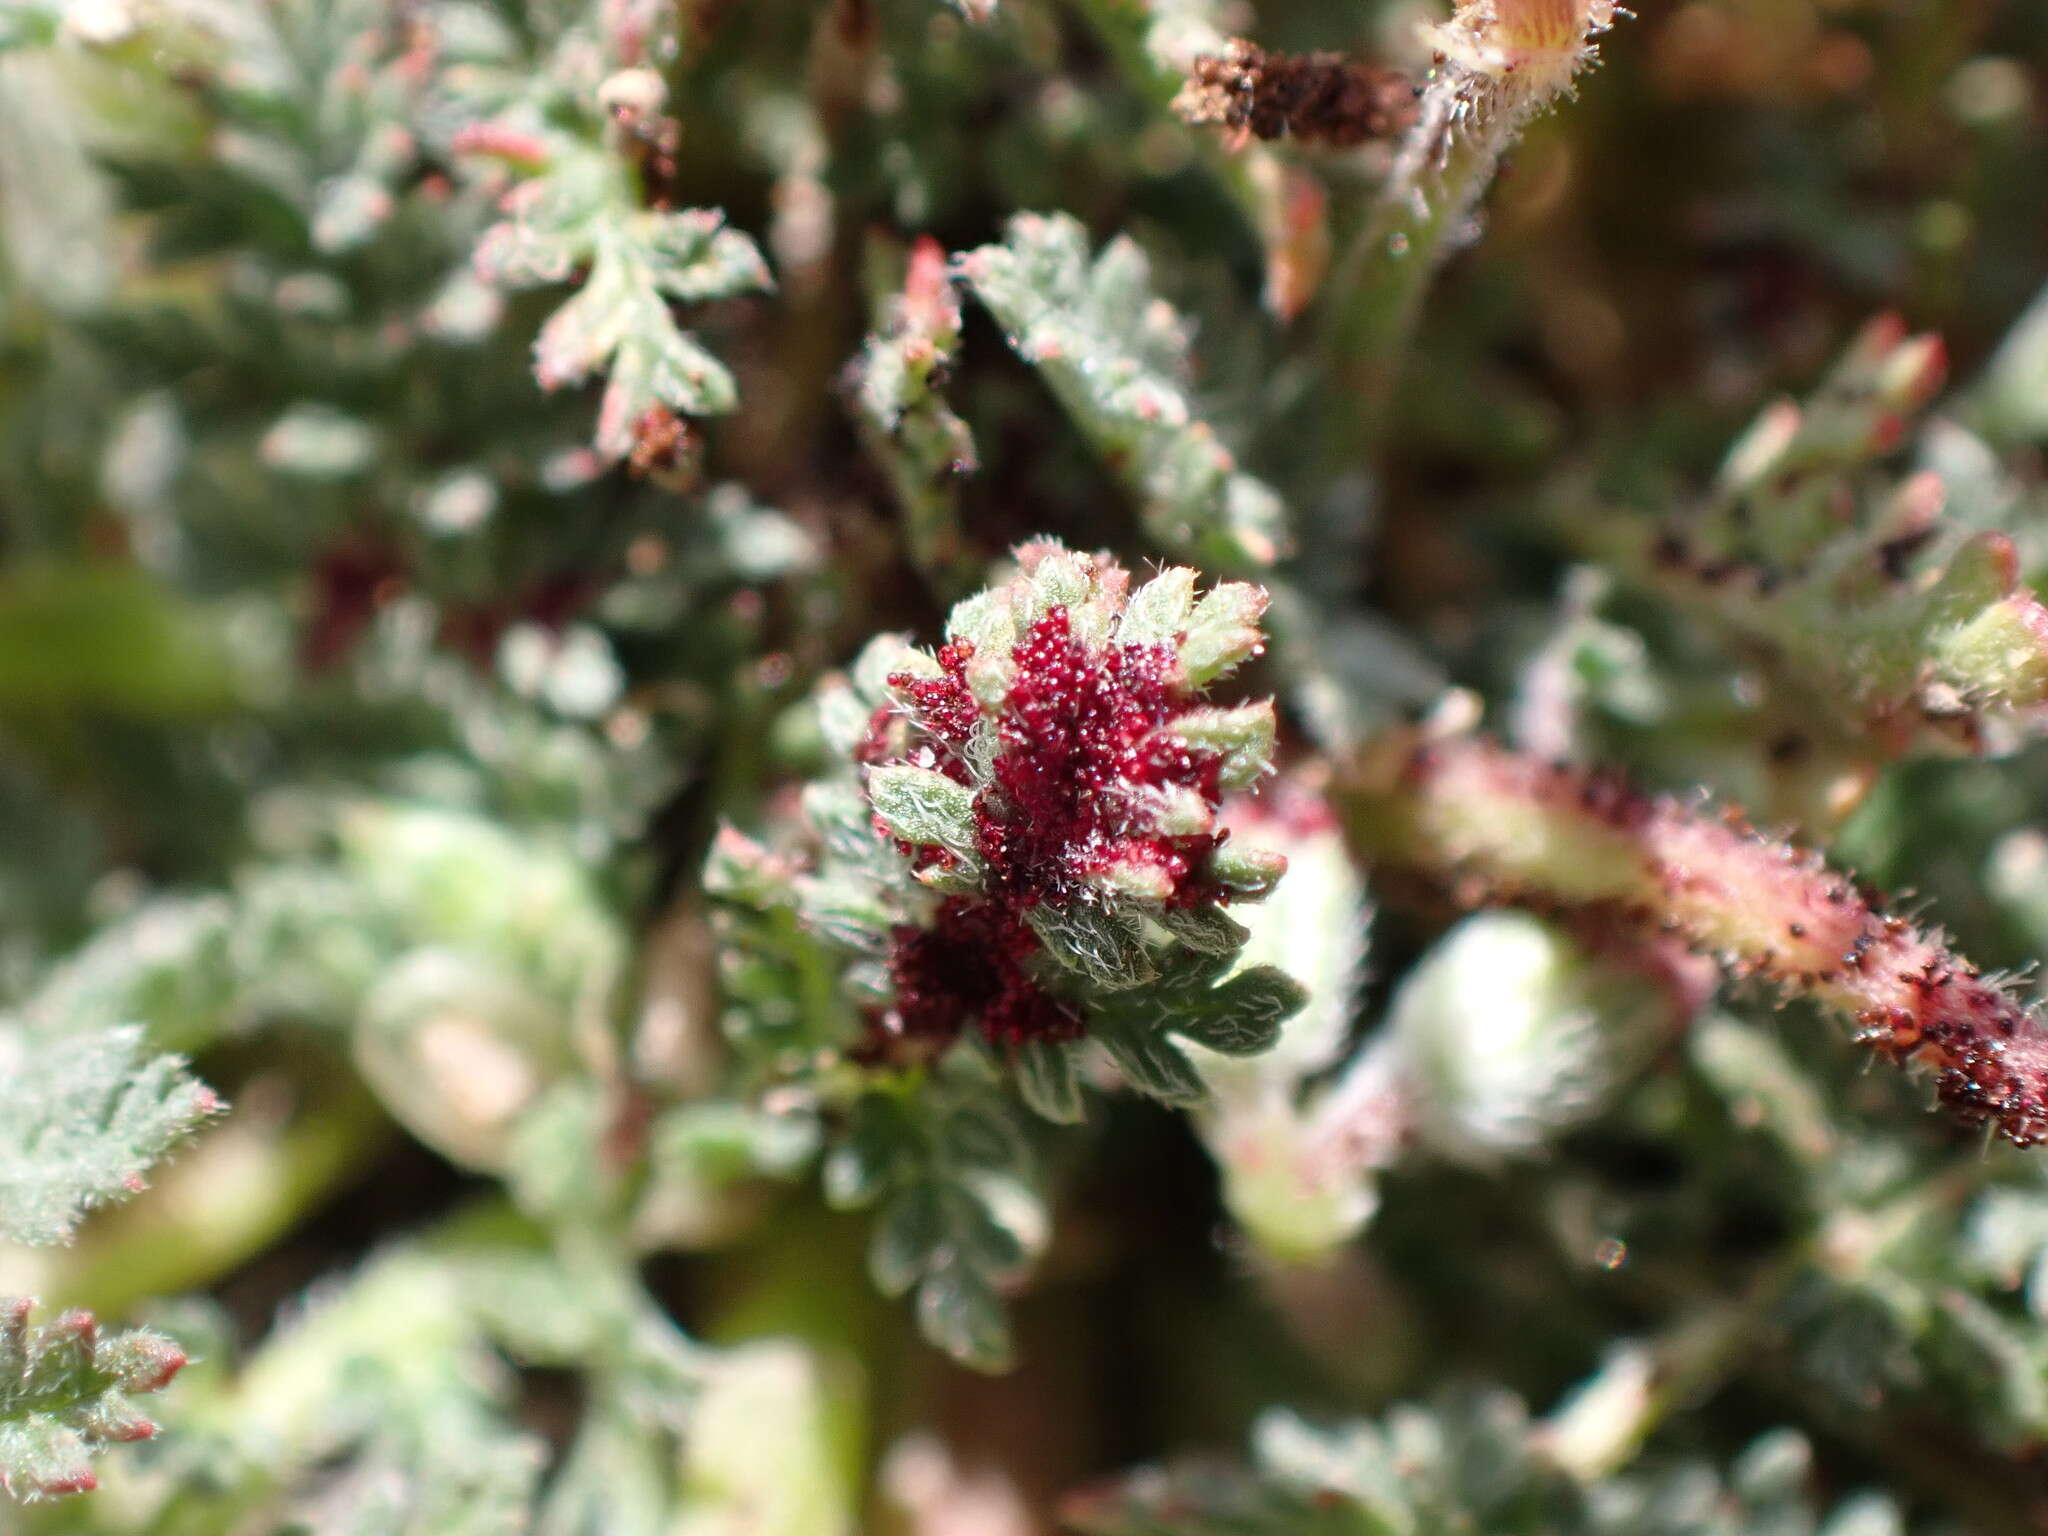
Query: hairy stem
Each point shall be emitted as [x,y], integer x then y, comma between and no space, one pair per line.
[1500,63]
[1384,274]
[1493,827]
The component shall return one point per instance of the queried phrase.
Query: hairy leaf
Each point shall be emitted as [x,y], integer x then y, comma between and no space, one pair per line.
[584,212]
[1116,354]
[64,1394]
[1049,1080]
[921,805]
[1101,944]
[82,1117]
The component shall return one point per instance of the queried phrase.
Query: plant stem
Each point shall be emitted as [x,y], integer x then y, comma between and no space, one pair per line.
[1491,826]
[1377,289]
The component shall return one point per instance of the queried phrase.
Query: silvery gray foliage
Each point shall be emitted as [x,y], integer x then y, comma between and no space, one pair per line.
[1117,355]
[426,535]
[1472,1461]
[82,1118]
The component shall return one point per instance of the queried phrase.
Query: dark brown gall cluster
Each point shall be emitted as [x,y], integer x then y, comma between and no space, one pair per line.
[1319,98]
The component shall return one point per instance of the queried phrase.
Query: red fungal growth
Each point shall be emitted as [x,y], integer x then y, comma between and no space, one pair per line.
[942,707]
[1493,827]
[1082,759]
[1082,767]
[970,965]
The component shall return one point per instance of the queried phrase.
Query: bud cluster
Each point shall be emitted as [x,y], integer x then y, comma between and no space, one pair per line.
[1053,775]
[1022,838]
[1520,53]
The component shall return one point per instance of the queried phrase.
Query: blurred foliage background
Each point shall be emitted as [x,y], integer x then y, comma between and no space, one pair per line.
[445,443]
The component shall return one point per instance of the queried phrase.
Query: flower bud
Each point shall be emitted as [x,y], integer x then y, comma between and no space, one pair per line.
[457,1048]
[1507,1033]
[1526,50]
[1054,772]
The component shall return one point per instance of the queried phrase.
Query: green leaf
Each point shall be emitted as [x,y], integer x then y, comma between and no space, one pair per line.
[718,1143]
[469,882]
[695,258]
[1117,357]
[984,621]
[979,1240]
[1152,1064]
[1244,737]
[1207,930]
[1251,873]
[64,1394]
[908,1238]
[1764,1085]
[980,1135]
[1061,580]
[958,1311]
[1223,632]
[958,1213]
[1243,1016]
[1158,611]
[1826,578]
[907,424]
[81,1118]
[1049,1081]
[554,1158]
[1099,943]
[388,1386]
[585,212]
[1239,1017]
[922,805]
[740,870]
[839,813]
[661,364]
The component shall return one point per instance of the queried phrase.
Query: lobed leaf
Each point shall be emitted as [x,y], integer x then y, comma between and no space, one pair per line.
[1117,356]
[65,1395]
[1049,1081]
[582,212]
[924,806]
[82,1118]
[1102,945]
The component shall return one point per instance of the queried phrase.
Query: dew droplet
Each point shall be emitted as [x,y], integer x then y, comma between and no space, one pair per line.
[1397,244]
[1611,1254]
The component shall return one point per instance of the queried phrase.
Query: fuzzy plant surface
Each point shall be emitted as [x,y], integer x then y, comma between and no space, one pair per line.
[1009,767]
[1052,776]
